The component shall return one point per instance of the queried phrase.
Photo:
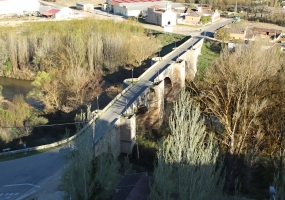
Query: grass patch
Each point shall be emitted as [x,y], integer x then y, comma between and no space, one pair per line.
[209,53]
[168,40]
[22,154]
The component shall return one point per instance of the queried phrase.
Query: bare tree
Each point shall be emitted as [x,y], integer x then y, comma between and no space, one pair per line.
[237,90]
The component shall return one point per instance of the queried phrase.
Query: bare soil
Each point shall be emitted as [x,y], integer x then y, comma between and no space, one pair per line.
[251,24]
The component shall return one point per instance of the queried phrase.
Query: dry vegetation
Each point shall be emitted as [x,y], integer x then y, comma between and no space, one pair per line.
[242,94]
[71,57]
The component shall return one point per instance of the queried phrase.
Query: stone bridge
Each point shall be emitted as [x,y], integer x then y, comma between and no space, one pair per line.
[148,93]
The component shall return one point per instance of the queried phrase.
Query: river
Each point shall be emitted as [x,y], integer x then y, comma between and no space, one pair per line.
[12,87]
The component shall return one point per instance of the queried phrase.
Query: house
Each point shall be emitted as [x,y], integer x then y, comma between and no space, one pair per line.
[207,11]
[135,8]
[62,13]
[65,13]
[85,6]
[133,187]
[161,15]
[8,7]
[113,3]
[193,16]
[216,15]
[50,13]
[272,34]
[237,33]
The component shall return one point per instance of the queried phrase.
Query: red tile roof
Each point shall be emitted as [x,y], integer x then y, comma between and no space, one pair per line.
[47,14]
[53,11]
[265,30]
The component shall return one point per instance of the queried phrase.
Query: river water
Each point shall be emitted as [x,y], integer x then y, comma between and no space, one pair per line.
[12,87]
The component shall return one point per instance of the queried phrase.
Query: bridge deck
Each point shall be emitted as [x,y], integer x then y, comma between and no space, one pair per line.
[109,118]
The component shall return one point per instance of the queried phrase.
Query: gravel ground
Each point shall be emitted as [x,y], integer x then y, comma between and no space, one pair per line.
[249,24]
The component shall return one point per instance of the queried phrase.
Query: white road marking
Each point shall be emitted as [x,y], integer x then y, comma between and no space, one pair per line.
[22,197]
[24,184]
[7,195]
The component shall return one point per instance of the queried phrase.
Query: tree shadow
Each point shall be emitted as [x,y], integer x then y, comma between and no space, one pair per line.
[170,47]
[125,73]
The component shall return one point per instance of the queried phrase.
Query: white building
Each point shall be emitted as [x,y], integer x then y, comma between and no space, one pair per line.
[134,9]
[60,13]
[18,6]
[161,15]
[65,13]
[85,6]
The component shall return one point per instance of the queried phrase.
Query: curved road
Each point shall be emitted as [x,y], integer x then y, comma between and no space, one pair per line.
[24,177]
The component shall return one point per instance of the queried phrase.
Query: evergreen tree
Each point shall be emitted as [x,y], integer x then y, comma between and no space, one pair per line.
[187,158]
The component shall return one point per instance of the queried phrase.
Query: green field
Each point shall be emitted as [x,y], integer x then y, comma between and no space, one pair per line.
[209,53]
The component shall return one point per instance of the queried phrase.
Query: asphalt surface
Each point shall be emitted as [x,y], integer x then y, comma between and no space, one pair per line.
[109,118]
[26,177]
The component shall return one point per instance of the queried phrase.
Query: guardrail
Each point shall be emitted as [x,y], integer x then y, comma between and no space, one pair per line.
[55,144]
[115,99]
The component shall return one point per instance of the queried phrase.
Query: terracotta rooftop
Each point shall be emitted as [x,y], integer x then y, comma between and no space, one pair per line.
[51,11]
[236,30]
[209,12]
[193,13]
[206,8]
[114,2]
[133,187]
[266,30]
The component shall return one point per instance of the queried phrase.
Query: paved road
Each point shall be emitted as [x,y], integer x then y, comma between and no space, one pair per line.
[26,176]
[109,118]
[22,177]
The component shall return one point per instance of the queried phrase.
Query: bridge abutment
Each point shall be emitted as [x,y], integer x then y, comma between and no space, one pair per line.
[127,132]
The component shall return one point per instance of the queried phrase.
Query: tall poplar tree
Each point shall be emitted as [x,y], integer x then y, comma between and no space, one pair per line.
[85,174]
[187,159]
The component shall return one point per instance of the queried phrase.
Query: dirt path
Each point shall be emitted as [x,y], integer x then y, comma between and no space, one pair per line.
[251,24]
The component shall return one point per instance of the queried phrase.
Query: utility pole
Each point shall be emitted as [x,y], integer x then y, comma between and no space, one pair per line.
[132,75]
[126,106]
[97,104]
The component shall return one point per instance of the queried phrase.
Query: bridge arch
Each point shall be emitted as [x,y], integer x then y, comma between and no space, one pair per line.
[167,87]
[141,109]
